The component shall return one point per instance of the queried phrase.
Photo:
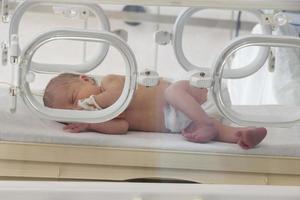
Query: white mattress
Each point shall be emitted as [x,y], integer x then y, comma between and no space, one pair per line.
[27,127]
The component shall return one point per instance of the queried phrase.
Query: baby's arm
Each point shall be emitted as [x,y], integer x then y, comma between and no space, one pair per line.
[114,126]
[112,86]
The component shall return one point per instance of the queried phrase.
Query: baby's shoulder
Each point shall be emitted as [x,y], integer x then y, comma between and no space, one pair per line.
[112,80]
[112,77]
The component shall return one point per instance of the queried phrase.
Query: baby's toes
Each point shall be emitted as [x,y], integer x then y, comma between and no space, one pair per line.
[189,136]
[242,144]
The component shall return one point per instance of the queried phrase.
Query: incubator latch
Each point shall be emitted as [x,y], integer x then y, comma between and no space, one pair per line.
[148,78]
[14,49]
[201,80]
[162,37]
[5,11]
[4,53]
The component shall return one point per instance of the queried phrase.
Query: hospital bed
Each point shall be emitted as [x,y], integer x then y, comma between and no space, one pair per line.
[32,147]
[38,148]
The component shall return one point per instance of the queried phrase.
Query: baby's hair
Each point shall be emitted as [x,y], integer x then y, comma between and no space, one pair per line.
[62,81]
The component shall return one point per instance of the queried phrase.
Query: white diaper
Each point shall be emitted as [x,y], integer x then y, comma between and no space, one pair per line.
[176,121]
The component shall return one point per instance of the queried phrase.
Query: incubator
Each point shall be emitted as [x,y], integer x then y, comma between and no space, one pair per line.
[246,54]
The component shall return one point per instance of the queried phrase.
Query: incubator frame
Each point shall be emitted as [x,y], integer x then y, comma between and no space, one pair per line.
[26,64]
[75,115]
[218,75]
[51,68]
[254,66]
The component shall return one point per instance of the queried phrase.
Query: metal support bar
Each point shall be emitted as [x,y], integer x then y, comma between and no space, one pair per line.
[292,5]
[154,18]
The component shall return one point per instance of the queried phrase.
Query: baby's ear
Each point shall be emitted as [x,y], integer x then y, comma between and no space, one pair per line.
[84,77]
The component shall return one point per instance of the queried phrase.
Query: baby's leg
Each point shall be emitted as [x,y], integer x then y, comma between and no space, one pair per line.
[197,132]
[186,99]
[245,137]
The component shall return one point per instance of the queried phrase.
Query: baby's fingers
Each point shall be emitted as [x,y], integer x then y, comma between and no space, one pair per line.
[72,128]
[69,126]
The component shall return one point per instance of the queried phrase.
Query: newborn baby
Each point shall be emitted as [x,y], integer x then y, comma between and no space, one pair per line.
[152,109]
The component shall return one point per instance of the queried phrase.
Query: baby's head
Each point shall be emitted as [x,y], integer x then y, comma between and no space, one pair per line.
[64,90]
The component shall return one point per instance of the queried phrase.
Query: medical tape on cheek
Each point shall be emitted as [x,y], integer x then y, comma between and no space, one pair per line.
[89,103]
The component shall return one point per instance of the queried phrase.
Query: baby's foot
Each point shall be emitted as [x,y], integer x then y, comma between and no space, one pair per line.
[200,133]
[249,138]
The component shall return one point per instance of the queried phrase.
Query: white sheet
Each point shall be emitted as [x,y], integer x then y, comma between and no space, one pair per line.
[27,127]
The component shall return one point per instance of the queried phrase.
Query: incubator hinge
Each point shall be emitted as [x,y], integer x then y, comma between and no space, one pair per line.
[14,49]
[13,92]
[275,20]
[4,53]
[148,78]
[267,18]
[201,80]
[5,11]
[162,37]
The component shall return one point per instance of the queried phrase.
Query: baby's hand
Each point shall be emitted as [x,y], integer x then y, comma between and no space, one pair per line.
[76,127]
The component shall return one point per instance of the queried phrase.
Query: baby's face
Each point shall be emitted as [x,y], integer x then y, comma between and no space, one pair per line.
[81,90]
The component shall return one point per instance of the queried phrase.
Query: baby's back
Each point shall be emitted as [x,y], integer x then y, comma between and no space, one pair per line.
[146,110]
